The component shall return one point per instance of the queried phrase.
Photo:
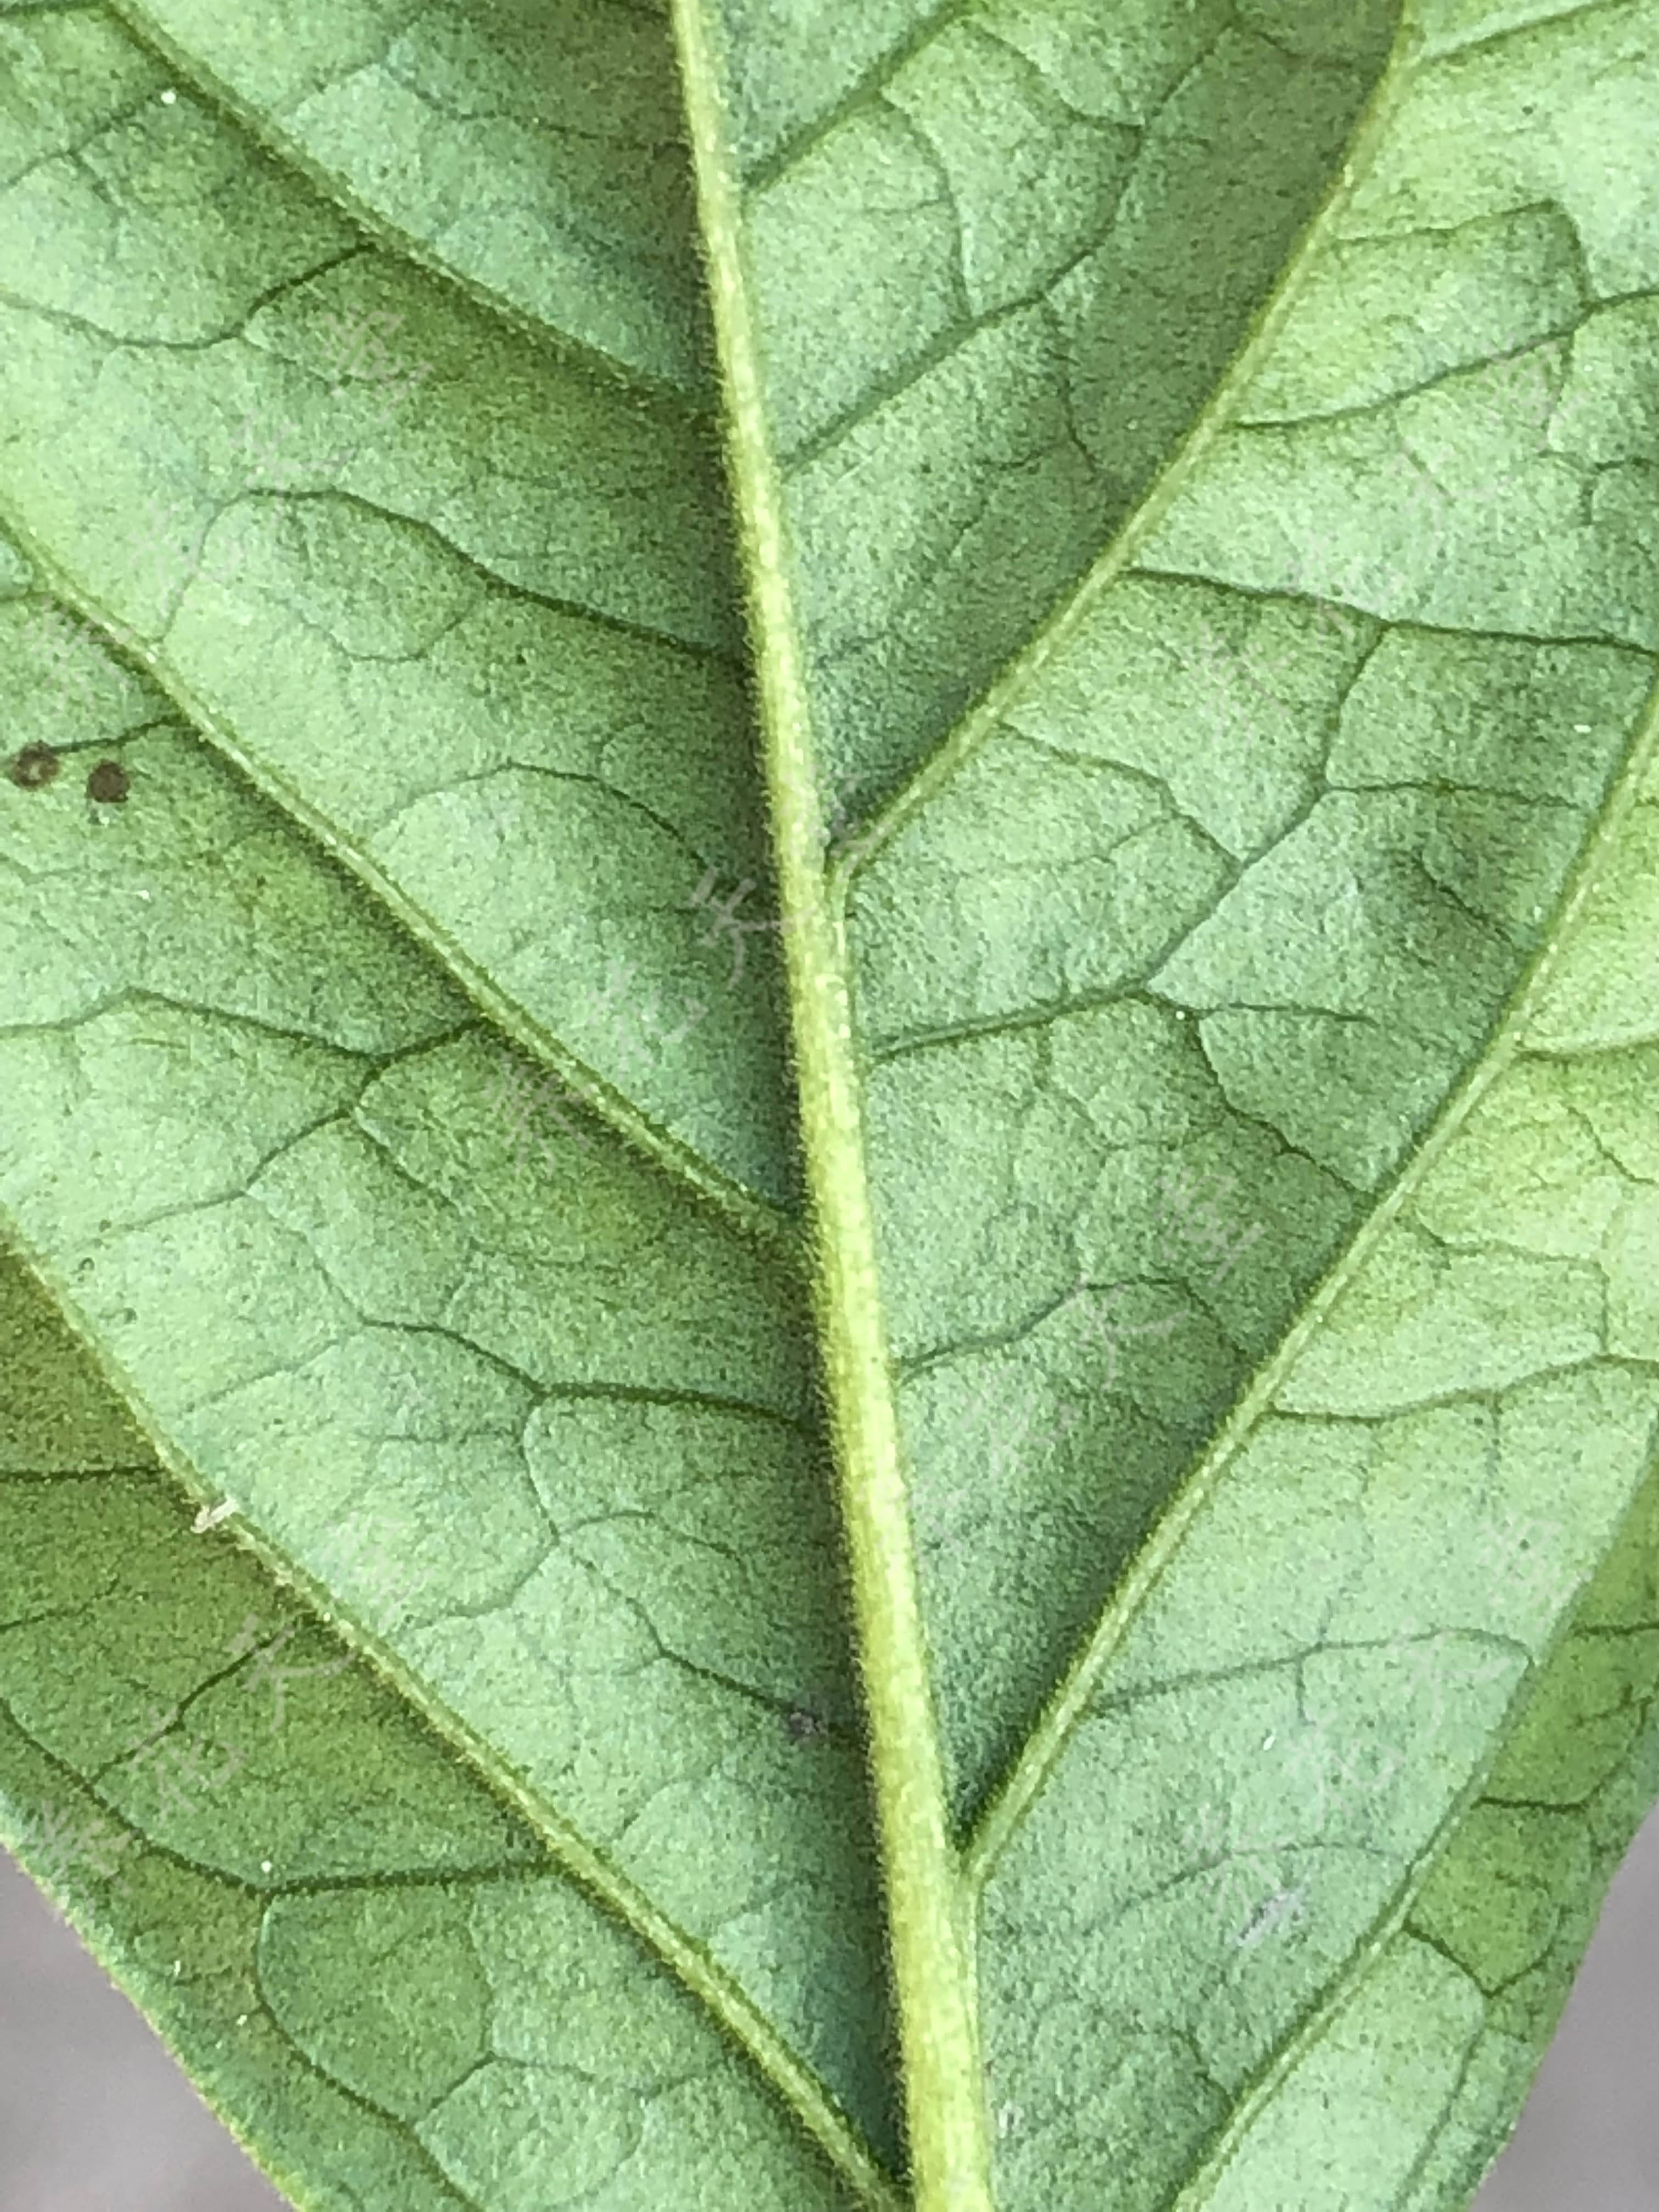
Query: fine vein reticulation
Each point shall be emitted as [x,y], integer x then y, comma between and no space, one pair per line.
[896,1366]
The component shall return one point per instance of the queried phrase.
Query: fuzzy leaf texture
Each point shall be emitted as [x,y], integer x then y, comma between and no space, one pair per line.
[829,1049]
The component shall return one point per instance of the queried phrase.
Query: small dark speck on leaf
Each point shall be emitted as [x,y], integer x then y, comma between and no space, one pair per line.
[109,783]
[804,1726]
[34,768]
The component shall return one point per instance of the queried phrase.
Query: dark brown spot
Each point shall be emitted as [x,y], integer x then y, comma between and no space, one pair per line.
[34,768]
[109,783]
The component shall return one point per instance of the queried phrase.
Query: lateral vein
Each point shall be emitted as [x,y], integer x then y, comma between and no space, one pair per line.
[964,740]
[761,1221]
[1040,1755]
[570,1850]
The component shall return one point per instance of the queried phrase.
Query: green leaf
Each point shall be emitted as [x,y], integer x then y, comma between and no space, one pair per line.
[916,1360]
[434,589]
[534,155]
[376,1970]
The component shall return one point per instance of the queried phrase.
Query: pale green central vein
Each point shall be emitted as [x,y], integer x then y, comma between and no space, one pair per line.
[945,2100]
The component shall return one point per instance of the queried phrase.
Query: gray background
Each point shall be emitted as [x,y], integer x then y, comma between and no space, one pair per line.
[95,2118]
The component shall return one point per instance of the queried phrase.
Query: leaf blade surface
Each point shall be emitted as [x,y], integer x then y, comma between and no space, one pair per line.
[1264,799]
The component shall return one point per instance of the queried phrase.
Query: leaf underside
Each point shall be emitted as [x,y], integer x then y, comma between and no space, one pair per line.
[1214,454]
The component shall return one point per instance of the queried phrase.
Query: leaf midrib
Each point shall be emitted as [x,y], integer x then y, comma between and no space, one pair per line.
[733,2012]
[933,1979]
